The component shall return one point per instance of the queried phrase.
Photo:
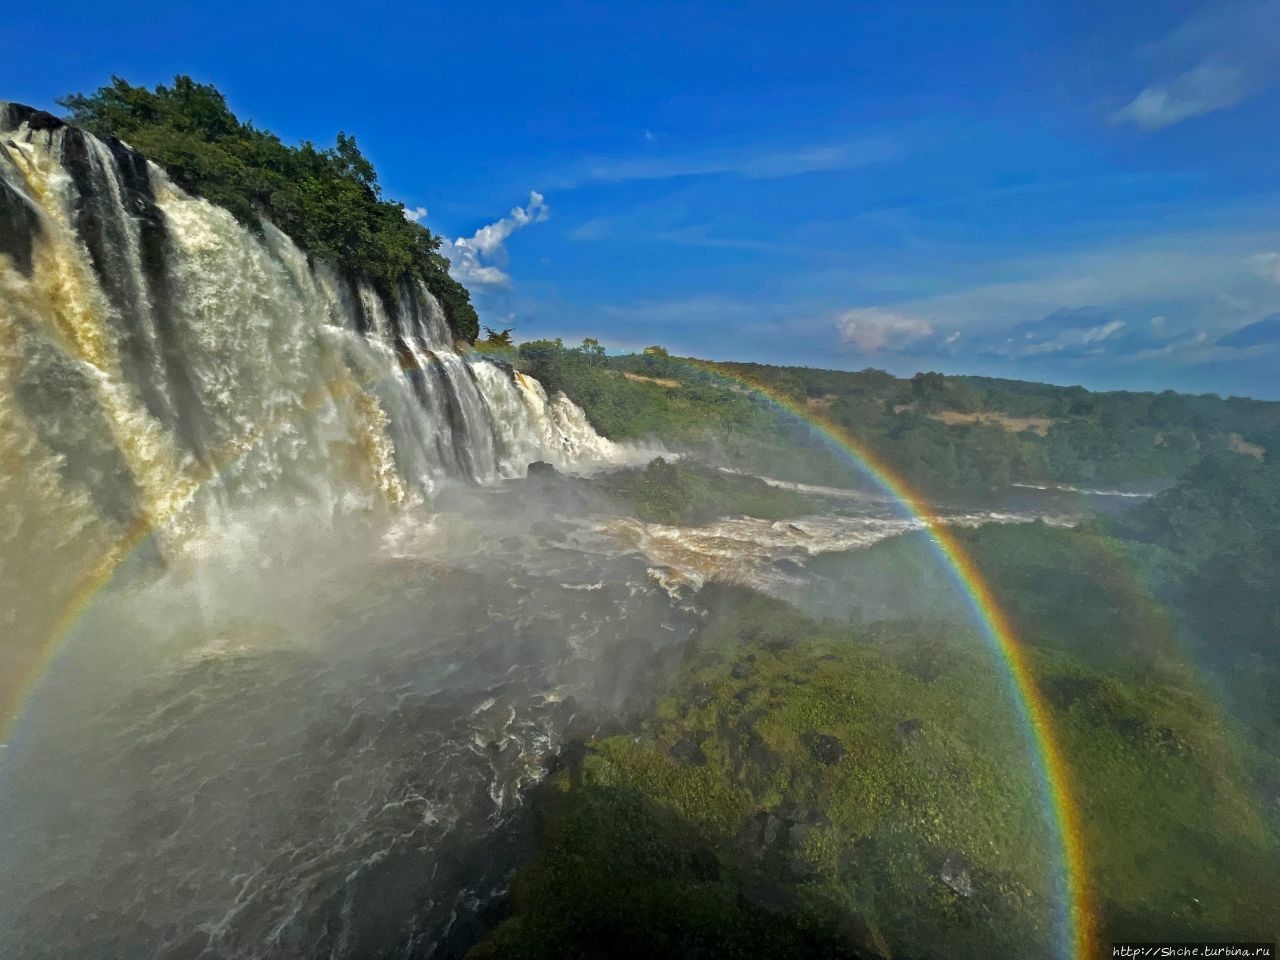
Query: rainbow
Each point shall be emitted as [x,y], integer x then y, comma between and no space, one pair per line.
[1075,920]
[99,576]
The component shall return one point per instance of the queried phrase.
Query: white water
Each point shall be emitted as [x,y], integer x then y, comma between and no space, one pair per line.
[164,369]
[292,735]
[771,555]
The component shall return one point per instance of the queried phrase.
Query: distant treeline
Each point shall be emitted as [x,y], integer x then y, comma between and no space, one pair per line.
[327,200]
[942,433]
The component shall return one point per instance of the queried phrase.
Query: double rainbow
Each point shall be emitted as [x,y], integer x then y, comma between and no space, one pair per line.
[1074,919]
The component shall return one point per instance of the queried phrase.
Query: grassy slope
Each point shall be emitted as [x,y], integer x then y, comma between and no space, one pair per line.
[1180,844]
[691,493]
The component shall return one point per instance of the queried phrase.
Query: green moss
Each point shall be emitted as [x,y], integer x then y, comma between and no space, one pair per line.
[686,493]
[932,778]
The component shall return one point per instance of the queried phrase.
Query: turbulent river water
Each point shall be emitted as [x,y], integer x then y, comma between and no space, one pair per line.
[285,635]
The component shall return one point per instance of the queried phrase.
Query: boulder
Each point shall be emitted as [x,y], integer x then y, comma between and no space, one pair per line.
[686,750]
[955,874]
[824,748]
[541,470]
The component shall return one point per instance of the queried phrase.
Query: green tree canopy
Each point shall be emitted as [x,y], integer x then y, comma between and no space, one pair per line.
[327,200]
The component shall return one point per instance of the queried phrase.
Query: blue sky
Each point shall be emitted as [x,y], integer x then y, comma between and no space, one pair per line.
[1077,192]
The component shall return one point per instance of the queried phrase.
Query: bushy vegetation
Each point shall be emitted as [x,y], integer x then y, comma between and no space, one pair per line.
[857,770]
[686,493]
[686,409]
[327,200]
[810,770]
[943,434]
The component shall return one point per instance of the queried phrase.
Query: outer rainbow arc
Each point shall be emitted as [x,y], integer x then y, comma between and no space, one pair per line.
[1077,919]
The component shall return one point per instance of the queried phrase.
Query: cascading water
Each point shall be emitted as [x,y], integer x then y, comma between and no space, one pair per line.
[161,365]
[293,705]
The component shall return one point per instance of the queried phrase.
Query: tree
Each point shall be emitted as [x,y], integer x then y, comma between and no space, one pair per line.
[328,201]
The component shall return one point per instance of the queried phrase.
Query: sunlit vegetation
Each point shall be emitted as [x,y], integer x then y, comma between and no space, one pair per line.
[943,434]
[859,774]
[872,783]
[327,200]
[691,493]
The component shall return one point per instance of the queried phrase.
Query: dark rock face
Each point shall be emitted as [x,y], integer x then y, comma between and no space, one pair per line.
[866,939]
[19,113]
[19,227]
[826,749]
[541,470]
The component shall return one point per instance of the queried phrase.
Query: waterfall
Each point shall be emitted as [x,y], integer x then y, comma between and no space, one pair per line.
[162,365]
[159,356]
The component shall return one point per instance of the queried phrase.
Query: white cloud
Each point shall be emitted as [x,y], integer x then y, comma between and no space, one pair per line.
[479,260]
[872,329]
[1213,60]
[415,215]
[1266,265]
[1202,89]
[1126,300]
[755,165]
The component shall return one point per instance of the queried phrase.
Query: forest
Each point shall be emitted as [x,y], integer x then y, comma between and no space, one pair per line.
[940,433]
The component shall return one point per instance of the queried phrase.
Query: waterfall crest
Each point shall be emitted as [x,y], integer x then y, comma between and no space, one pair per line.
[161,365]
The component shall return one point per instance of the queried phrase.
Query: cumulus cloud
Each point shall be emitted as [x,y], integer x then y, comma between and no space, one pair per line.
[872,329]
[1211,61]
[480,259]
[416,214]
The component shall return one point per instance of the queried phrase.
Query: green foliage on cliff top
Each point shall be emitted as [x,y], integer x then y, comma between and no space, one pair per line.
[943,434]
[327,200]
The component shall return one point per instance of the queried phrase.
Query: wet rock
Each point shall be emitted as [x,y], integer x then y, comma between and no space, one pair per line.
[744,695]
[548,529]
[541,470]
[908,730]
[686,750]
[765,835]
[824,748]
[19,113]
[775,830]
[701,696]
[569,757]
[955,874]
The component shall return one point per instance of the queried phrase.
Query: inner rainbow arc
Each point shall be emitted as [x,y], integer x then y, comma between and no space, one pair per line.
[1076,919]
